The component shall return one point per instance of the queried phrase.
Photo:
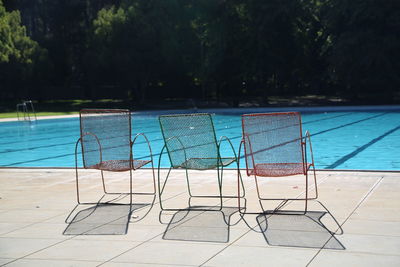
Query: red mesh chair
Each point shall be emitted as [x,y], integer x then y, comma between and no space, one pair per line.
[105,138]
[274,147]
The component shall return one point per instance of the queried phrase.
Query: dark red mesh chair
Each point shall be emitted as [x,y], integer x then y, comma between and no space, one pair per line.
[274,147]
[105,137]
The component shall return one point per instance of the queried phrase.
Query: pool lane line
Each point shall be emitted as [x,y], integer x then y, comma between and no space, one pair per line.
[33,148]
[360,149]
[351,123]
[63,144]
[157,126]
[41,125]
[321,132]
[56,130]
[41,139]
[327,130]
[134,122]
[52,131]
[158,139]
[72,143]
[153,140]
[236,137]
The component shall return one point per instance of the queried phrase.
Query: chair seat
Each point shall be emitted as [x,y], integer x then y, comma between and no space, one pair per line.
[205,163]
[278,169]
[119,165]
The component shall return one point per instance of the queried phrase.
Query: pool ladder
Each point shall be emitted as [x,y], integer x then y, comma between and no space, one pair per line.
[27,110]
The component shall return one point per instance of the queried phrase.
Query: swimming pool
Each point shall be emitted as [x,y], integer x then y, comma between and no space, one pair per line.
[343,138]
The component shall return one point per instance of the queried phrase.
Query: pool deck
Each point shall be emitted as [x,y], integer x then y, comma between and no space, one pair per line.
[34,204]
[43,117]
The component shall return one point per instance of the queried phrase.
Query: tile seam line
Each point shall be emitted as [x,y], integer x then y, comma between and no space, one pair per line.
[333,250]
[129,249]
[146,241]
[155,264]
[323,179]
[351,213]
[54,244]
[44,259]
[31,224]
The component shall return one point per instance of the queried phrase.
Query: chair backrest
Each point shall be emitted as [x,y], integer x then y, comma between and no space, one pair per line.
[273,140]
[192,135]
[105,132]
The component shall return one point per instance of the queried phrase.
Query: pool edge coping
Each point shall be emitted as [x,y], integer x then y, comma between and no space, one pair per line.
[242,169]
[243,110]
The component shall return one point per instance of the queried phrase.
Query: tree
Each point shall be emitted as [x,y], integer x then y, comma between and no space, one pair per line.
[137,47]
[363,46]
[283,41]
[19,55]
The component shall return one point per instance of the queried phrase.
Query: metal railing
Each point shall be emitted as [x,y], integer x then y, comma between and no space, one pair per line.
[26,111]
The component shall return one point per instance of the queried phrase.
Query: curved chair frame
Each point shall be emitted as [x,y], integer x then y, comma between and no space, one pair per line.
[219,168]
[131,168]
[305,169]
[305,142]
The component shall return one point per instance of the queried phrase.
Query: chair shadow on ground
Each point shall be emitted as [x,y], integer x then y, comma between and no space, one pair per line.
[200,224]
[105,218]
[297,229]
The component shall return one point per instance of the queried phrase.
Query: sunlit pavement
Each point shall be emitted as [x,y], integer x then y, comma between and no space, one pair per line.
[34,204]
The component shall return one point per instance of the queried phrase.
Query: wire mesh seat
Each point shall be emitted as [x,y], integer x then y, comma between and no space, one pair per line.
[191,144]
[105,138]
[274,147]
[205,163]
[119,165]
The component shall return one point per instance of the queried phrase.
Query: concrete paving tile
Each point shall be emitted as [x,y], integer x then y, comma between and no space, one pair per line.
[40,231]
[4,261]
[345,258]
[171,252]
[379,203]
[59,219]
[371,231]
[50,263]
[20,247]
[370,227]
[57,202]
[125,264]
[28,216]
[387,245]
[377,213]
[201,235]
[136,233]
[8,227]
[149,219]
[88,250]
[257,256]
[303,234]
[252,239]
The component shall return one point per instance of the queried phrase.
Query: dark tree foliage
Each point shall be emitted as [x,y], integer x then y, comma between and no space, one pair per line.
[362,45]
[225,50]
[22,61]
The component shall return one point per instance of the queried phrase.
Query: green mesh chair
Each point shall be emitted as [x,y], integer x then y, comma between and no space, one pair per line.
[191,144]
[107,146]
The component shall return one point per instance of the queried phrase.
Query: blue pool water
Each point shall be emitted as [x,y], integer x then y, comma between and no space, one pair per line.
[342,139]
